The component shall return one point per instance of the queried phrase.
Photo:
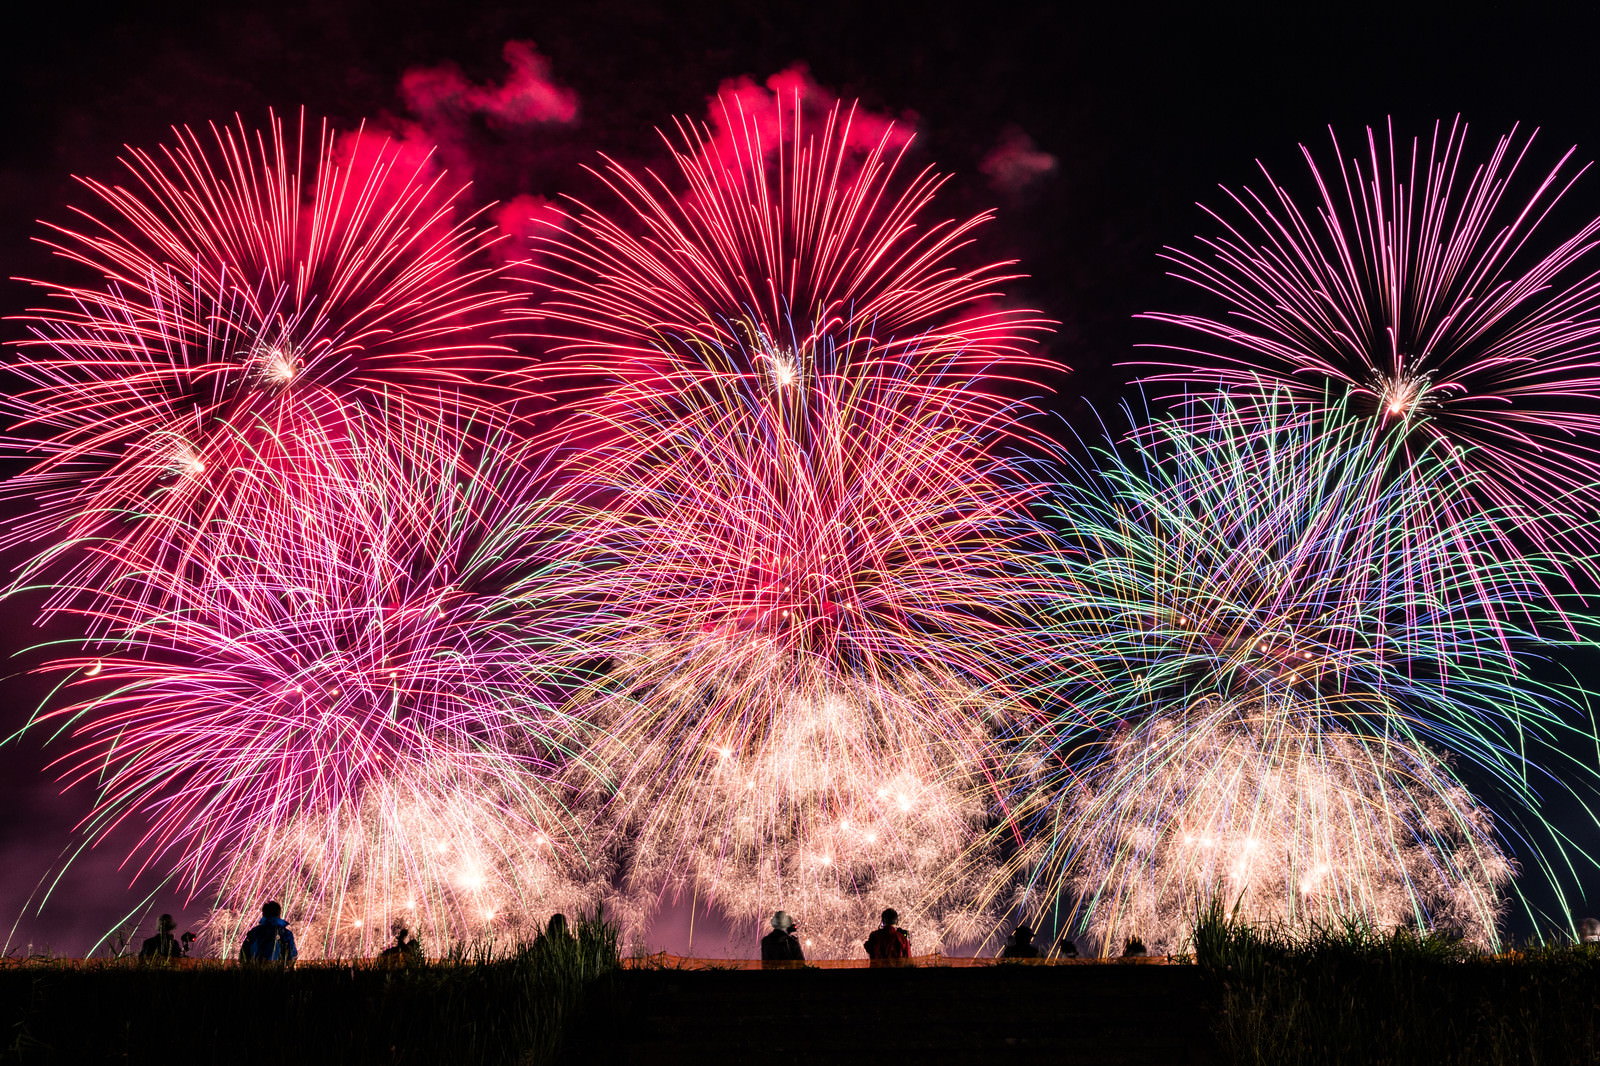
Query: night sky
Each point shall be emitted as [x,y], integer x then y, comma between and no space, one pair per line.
[1144,111]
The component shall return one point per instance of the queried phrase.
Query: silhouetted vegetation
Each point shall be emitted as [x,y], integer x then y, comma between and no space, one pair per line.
[1352,994]
[473,1006]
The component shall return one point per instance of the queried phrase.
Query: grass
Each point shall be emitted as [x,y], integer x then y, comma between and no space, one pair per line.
[473,1006]
[1342,994]
[1351,994]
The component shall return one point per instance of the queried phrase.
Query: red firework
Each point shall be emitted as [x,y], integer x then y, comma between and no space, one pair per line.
[791,227]
[246,285]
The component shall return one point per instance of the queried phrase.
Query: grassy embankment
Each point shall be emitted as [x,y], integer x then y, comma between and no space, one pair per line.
[471,1007]
[1342,995]
[1350,994]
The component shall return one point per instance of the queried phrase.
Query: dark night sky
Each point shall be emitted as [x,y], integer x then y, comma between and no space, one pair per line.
[1145,110]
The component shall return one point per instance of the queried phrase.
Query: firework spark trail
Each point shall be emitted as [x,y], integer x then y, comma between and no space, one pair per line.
[361,655]
[830,506]
[1272,805]
[1241,549]
[247,288]
[799,542]
[788,786]
[1230,564]
[458,856]
[1420,290]
[786,234]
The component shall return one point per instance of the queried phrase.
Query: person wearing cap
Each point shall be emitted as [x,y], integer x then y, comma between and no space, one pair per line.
[1021,945]
[781,945]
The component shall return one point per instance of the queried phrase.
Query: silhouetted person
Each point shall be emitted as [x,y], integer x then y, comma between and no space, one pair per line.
[270,942]
[1134,948]
[163,945]
[1067,948]
[781,945]
[1020,945]
[888,943]
[1589,931]
[406,948]
[555,940]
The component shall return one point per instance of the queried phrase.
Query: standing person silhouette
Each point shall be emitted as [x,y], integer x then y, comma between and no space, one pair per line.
[271,942]
[888,945]
[1021,946]
[163,945]
[781,945]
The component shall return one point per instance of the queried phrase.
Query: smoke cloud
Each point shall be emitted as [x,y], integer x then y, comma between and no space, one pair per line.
[741,106]
[1016,164]
[443,99]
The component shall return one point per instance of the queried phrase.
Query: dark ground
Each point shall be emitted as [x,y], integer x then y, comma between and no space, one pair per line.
[1065,1015]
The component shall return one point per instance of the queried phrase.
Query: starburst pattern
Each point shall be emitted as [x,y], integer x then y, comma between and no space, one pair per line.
[1427,291]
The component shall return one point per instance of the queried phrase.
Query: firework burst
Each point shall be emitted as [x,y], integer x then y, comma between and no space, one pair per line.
[459,853]
[247,286]
[1244,549]
[830,505]
[786,235]
[1431,293]
[1271,806]
[354,668]
[785,786]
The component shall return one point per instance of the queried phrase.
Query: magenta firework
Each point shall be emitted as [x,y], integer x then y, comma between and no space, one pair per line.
[1433,289]
[354,674]
[243,286]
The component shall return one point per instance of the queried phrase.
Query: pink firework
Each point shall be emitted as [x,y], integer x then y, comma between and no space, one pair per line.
[829,509]
[356,658]
[791,226]
[1433,292]
[244,285]
[823,573]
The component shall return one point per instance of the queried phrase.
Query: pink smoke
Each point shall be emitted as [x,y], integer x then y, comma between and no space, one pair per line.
[442,97]
[1015,163]
[447,105]
[743,112]
[518,219]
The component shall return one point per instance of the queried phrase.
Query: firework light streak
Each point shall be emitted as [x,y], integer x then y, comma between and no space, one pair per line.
[1270,806]
[788,233]
[1243,550]
[1238,560]
[1418,289]
[351,677]
[831,504]
[768,606]
[811,564]
[247,286]
[788,786]
[457,854]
